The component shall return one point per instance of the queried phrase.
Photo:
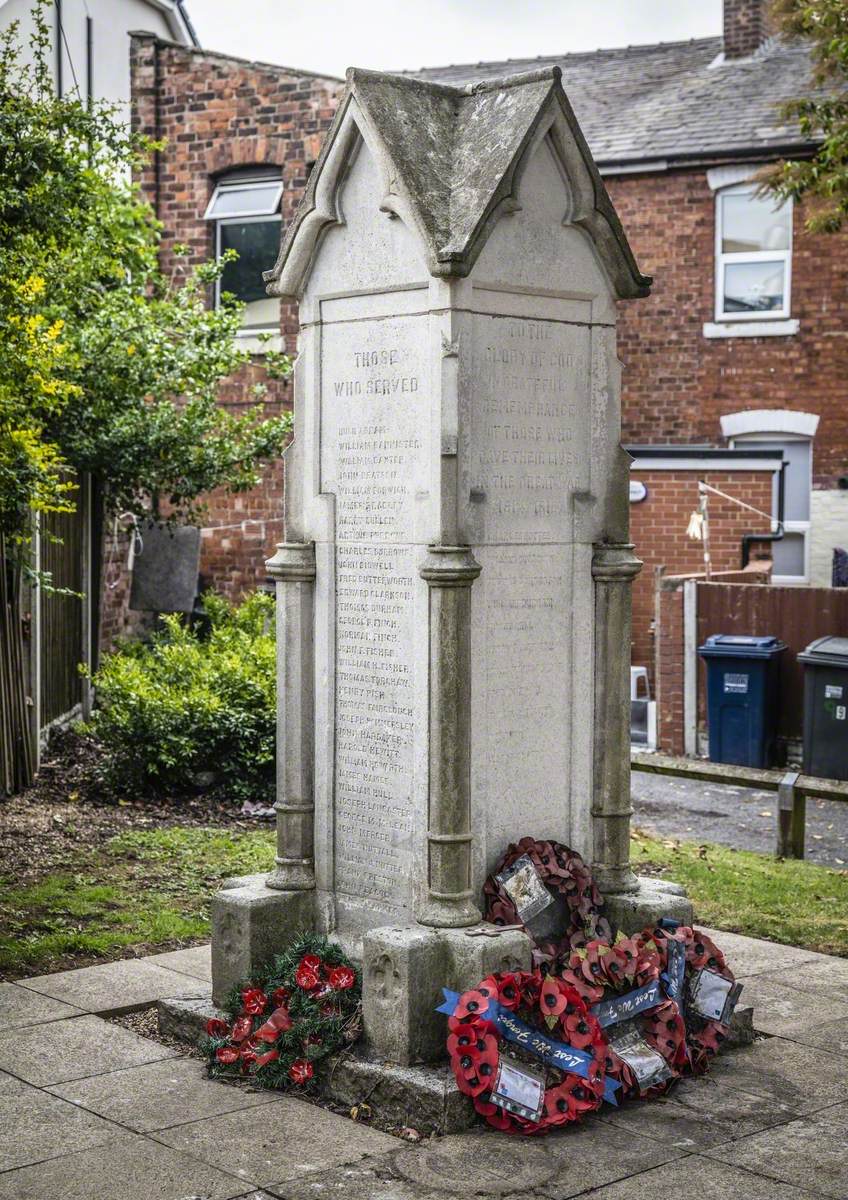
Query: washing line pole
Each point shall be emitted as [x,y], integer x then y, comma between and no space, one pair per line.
[704,507]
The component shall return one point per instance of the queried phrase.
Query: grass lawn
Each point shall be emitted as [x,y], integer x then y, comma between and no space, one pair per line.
[783,901]
[139,891]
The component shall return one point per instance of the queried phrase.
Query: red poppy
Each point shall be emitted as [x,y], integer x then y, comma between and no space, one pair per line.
[580,1093]
[471,1004]
[553,998]
[701,951]
[248,1055]
[254,1001]
[281,996]
[242,1028]
[312,962]
[627,952]
[306,978]
[579,1030]
[301,1071]
[589,993]
[559,1106]
[226,1055]
[496,1116]
[263,1059]
[589,961]
[278,1022]
[341,978]
[216,1028]
[509,991]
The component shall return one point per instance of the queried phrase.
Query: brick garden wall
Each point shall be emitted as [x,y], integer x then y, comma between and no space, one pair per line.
[217,113]
[658,529]
[677,383]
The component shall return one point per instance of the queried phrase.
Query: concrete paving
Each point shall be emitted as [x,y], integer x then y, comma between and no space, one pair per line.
[90,1111]
[732,816]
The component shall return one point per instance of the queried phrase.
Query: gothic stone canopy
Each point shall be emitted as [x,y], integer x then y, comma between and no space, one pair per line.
[452,160]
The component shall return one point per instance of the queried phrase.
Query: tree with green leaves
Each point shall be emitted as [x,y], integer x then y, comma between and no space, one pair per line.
[108,367]
[821,180]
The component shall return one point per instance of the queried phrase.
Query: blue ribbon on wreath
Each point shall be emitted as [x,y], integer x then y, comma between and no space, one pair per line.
[553,1054]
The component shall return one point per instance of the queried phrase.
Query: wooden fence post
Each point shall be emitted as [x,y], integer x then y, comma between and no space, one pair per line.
[791,817]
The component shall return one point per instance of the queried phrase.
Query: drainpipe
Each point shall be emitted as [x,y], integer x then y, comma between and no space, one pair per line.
[59,84]
[749,538]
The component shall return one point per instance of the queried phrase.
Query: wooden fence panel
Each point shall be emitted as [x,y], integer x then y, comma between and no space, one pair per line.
[62,616]
[797,615]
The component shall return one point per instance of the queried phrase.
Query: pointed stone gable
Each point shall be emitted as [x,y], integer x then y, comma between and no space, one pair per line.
[453,159]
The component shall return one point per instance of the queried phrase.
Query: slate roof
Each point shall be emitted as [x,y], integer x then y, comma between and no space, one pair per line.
[676,101]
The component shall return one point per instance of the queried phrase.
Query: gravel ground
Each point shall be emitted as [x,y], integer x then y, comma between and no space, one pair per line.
[732,816]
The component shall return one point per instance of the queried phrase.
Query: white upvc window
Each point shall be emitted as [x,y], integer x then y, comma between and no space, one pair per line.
[246,210]
[753,274]
[791,554]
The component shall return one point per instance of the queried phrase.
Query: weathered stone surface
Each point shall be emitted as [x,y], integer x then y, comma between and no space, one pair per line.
[632,911]
[160,1095]
[702,1179]
[802,1078]
[250,924]
[185,1020]
[280,1145]
[35,1126]
[479,1163]
[820,976]
[699,1112]
[196,961]
[19,1006]
[80,1046]
[831,1036]
[782,1011]
[808,1153]
[753,956]
[425,1097]
[128,1168]
[113,987]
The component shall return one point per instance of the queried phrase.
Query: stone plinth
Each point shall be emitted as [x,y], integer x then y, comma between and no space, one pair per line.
[454,590]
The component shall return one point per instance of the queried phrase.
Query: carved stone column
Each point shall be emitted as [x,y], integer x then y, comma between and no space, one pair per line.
[293,569]
[448,903]
[614,567]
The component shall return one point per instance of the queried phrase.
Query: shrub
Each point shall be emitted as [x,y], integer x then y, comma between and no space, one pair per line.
[185,704]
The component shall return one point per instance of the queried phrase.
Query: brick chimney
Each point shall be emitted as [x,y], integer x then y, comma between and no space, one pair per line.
[745,26]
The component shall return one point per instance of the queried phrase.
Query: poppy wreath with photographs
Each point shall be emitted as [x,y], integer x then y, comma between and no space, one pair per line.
[305,1006]
[600,972]
[563,872]
[548,1014]
[704,1037]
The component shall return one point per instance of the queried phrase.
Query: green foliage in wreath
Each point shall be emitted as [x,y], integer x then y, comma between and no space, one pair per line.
[304,1007]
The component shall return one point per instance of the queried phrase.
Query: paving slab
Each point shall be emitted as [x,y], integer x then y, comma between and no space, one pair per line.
[821,977]
[783,1011]
[699,1112]
[288,1139]
[753,956]
[807,1153]
[19,1007]
[832,1036]
[81,1046]
[803,1078]
[701,1179]
[160,1094]
[195,961]
[128,1168]
[35,1126]
[114,987]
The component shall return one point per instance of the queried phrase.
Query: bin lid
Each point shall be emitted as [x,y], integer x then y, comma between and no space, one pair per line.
[826,651]
[738,645]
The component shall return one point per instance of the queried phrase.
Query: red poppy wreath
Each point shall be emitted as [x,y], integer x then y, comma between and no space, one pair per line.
[285,1021]
[527,1051]
[528,880]
[623,984]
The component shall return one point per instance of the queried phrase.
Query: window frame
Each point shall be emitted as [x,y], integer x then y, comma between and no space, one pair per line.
[789,526]
[722,259]
[245,182]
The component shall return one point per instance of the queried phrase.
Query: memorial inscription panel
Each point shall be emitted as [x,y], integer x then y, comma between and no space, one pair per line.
[374,437]
[526,455]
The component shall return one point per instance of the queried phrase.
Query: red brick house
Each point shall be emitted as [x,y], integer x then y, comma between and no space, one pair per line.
[738,361]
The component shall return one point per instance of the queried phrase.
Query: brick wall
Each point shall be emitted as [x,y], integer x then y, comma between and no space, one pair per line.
[746,26]
[677,383]
[658,529]
[214,114]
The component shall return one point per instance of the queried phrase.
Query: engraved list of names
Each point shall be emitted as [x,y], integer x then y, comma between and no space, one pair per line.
[373,459]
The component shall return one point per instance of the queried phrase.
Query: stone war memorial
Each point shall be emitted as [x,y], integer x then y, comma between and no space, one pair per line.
[453,593]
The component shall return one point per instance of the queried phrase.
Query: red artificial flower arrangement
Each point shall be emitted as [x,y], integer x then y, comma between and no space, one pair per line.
[563,873]
[304,1007]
